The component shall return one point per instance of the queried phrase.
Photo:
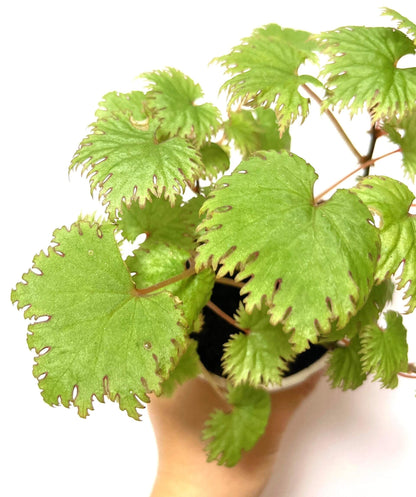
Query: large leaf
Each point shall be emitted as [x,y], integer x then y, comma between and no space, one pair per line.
[125,162]
[172,100]
[260,356]
[228,434]
[99,338]
[391,200]
[312,264]
[264,70]
[384,351]
[362,70]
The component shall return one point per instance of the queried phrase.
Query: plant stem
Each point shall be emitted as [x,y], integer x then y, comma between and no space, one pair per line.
[335,122]
[411,372]
[361,166]
[226,317]
[139,292]
[369,156]
[230,282]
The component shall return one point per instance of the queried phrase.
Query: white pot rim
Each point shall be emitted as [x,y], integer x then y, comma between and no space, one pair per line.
[301,376]
[220,383]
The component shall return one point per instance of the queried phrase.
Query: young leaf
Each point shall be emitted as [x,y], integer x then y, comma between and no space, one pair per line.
[345,369]
[264,70]
[160,262]
[391,200]
[171,99]
[228,434]
[362,70]
[187,368]
[403,133]
[255,130]
[259,357]
[215,159]
[162,222]
[385,351]
[403,23]
[99,337]
[129,103]
[262,220]
[125,163]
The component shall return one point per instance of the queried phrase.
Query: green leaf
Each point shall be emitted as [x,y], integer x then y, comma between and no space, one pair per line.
[255,130]
[99,338]
[215,159]
[159,262]
[125,163]
[172,100]
[345,369]
[264,70]
[403,22]
[368,314]
[385,351]
[403,133]
[391,200]
[187,368]
[129,103]
[362,70]
[162,222]
[259,357]
[311,264]
[228,434]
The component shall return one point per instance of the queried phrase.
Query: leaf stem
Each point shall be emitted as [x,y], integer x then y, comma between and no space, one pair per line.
[361,166]
[230,282]
[226,317]
[335,122]
[139,292]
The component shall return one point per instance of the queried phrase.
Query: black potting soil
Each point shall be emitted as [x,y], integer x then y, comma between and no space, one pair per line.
[216,332]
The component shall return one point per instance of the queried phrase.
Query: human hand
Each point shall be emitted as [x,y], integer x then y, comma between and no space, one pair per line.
[178,423]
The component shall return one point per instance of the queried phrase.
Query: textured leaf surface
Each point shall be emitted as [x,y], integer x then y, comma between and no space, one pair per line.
[384,351]
[403,23]
[162,262]
[255,130]
[99,338]
[187,368]
[362,70]
[259,357]
[129,103]
[264,70]
[228,434]
[162,222]
[322,257]
[125,163]
[403,133]
[345,369]
[391,200]
[172,100]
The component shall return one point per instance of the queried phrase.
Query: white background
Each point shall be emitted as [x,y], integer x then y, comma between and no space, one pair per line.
[57,60]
